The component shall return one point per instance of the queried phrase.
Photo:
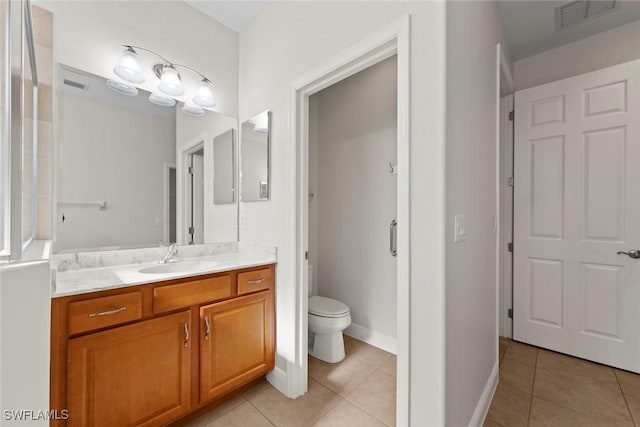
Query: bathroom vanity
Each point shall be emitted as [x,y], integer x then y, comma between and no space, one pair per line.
[151,351]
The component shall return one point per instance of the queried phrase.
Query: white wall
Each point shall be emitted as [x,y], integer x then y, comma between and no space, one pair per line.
[219,220]
[355,199]
[621,44]
[25,308]
[88,35]
[473,29]
[114,154]
[290,39]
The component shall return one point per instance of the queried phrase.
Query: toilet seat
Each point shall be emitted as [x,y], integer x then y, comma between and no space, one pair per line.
[327,307]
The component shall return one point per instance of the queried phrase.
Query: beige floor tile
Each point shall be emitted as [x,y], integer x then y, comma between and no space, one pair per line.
[350,343]
[390,366]
[341,377]
[377,396]
[490,423]
[257,389]
[516,375]
[583,396]
[369,354]
[561,364]
[522,353]
[630,384]
[548,414]
[502,349]
[509,407]
[217,412]
[244,415]
[303,411]
[346,414]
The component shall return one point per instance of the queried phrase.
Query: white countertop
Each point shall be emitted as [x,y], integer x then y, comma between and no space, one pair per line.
[78,281]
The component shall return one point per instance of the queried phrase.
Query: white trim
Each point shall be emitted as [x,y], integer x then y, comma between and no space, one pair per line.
[390,40]
[503,300]
[482,408]
[376,339]
[278,378]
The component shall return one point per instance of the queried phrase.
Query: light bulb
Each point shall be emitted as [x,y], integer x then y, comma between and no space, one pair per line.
[128,68]
[170,83]
[192,110]
[204,97]
[163,101]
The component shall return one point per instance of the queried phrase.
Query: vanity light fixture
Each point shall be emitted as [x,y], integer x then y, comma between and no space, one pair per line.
[161,100]
[192,110]
[122,88]
[171,87]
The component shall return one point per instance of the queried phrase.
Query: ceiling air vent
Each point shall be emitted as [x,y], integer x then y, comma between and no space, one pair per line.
[75,84]
[579,11]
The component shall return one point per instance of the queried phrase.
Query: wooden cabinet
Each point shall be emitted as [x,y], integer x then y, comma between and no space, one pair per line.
[151,354]
[132,375]
[237,343]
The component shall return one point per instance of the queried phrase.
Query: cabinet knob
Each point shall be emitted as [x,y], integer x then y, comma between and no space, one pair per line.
[186,334]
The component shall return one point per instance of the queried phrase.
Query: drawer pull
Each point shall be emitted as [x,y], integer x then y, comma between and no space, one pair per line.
[255,282]
[207,327]
[108,312]
[186,334]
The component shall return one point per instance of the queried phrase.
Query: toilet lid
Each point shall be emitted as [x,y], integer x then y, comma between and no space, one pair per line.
[327,307]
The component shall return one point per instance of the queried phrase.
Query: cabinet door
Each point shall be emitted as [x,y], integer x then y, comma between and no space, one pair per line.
[237,343]
[138,374]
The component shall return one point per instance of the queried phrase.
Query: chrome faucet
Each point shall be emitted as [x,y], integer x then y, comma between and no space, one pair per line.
[172,253]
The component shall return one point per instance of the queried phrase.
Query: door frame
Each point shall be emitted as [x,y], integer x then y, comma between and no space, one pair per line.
[167,199]
[183,197]
[390,40]
[504,283]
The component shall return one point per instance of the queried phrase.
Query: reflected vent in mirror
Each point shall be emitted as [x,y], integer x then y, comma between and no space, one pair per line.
[77,85]
[577,12]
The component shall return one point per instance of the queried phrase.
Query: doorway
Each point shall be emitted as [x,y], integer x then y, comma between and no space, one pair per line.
[193,199]
[392,40]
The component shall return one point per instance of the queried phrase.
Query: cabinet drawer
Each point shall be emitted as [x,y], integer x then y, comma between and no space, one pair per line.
[171,297]
[106,311]
[253,281]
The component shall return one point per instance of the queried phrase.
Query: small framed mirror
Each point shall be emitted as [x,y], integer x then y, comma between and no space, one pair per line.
[224,183]
[255,138]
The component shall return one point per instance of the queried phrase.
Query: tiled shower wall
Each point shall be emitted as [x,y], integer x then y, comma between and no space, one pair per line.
[43,35]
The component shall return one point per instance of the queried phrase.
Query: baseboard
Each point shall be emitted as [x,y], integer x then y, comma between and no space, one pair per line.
[374,338]
[484,403]
[278,379]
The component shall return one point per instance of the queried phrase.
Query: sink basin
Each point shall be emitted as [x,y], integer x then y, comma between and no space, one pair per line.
[178,267]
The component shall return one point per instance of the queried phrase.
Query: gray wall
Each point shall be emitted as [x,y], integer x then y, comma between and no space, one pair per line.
[473,29]
[616,46]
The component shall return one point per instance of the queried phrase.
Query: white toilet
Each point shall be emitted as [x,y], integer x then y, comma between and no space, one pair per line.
[327,319]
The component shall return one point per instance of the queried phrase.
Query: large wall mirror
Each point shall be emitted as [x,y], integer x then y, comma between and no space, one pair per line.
[129,173]
[255,139]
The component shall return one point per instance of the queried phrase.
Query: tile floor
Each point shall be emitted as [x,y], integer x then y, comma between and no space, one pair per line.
[542,388]
[360,391]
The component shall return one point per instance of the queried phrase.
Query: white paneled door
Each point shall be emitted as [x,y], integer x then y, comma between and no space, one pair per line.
[576,205]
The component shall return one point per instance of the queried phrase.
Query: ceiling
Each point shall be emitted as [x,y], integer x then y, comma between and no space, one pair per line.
[233,14]
[530,24]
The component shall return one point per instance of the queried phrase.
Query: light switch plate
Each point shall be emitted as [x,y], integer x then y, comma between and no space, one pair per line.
[460,228]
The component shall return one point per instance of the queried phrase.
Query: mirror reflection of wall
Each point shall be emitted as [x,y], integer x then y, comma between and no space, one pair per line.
[224,168]
[112,152]
[255,139]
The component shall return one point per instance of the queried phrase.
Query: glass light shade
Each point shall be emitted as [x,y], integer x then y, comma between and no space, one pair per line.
[122,88]
[204,96]
[192,110]
[170,83]
[128,68]
[163,101]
